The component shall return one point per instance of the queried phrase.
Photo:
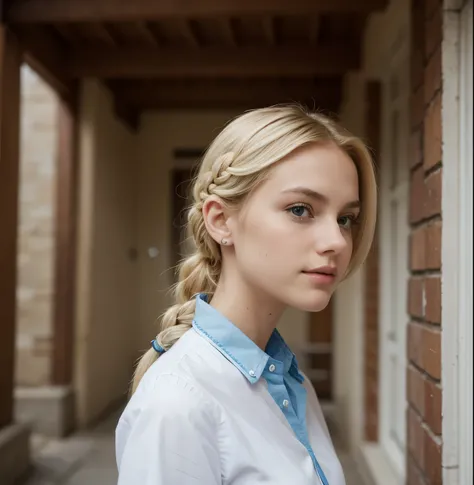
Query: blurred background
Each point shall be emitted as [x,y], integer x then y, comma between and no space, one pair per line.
[105,109]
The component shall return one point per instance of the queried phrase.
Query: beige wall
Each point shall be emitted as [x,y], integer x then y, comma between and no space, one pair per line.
[107,276]
[36,231]
[125,193]
[161,133]
[384,34]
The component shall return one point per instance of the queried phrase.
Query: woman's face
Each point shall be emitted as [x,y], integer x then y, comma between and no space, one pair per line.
[293,236]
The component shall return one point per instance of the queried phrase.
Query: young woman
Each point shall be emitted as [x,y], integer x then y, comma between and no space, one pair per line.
[284,210]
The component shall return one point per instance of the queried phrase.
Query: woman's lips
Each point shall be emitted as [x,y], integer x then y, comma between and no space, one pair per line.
[320,278]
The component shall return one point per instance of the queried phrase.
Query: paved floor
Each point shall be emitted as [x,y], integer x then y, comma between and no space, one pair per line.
[88,459]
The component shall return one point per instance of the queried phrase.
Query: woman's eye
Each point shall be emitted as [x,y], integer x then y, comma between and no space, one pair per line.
[299,211]
[346,221]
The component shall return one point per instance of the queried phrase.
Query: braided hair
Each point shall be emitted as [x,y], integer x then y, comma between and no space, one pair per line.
[236,162]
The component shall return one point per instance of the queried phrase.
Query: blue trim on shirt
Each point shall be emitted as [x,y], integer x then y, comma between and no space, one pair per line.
[277,365]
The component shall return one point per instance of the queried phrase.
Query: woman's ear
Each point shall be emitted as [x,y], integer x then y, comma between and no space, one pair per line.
[215,214]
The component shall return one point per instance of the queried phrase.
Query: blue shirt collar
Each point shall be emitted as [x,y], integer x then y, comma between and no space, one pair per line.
[247,356]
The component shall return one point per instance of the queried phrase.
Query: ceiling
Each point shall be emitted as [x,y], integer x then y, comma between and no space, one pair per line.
[165,54]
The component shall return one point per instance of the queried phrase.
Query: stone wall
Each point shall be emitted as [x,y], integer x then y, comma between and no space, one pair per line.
[36,231]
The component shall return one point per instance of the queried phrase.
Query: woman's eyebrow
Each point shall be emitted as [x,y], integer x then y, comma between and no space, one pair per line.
[355,204]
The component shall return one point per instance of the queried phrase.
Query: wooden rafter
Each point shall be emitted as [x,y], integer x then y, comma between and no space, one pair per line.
[224,94]
[4,7]
[227,29]
[106,34]
[45,53]
[314,30]
[212,62]
[269,30]
[128,115]
[53,11]
[187,30]
[67,32]
[147,33]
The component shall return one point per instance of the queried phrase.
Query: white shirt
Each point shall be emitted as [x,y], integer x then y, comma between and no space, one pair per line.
[217,410]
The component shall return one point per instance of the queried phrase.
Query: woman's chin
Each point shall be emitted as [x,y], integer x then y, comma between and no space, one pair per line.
[313,301]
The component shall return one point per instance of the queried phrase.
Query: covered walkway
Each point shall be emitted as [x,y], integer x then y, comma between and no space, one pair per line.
[136,83]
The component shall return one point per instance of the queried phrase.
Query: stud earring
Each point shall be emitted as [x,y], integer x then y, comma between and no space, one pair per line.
[223,242]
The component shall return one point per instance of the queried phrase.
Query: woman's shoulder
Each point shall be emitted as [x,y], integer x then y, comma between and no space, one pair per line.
[175,382]
[167,403]
[165,397]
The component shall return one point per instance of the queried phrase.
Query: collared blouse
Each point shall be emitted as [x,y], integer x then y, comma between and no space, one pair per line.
[217,410]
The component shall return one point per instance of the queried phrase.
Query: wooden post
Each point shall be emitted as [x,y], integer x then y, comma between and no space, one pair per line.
[66,193]
[10,62]
[373,123]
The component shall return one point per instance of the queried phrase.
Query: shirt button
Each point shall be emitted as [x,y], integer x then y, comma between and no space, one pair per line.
[272,368]
[252,373]
[285,403]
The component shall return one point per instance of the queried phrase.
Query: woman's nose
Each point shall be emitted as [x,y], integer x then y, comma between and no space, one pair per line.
[330,238]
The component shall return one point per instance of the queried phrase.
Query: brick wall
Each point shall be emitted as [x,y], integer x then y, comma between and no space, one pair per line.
[424,289]
[36,236]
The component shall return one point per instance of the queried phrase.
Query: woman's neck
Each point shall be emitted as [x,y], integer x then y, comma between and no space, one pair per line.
[254,313]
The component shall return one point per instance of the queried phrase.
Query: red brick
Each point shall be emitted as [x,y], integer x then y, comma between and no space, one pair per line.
[433,299]
[433,194]
[416,389]
[431,352]
[416,438]
[433,31]
[418,249]
[417,104]
[414,476]
[417,196]
[417,66]
[432,76]
[415,297]
[416,149]
[414,344]
[433,246]
[432,456]
[371,411]
[432,137]
[432,406]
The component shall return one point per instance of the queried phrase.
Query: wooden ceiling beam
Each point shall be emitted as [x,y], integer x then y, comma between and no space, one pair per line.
[4,8]
[147,33]
[269,29]
[106,34]
[314,25]
[212,62]
[56,11]
[227,29]
[45,54]
[228,94]
[240,105]
[188,33]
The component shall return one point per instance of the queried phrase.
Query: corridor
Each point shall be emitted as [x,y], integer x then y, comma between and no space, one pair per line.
[88,458]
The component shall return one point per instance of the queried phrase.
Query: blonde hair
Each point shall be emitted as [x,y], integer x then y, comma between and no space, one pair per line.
[235,163]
